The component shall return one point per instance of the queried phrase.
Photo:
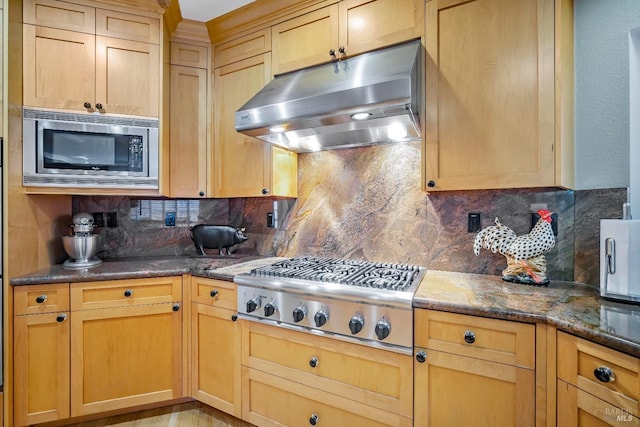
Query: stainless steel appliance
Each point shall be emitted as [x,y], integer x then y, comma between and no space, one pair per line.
[366,99]
[352,300]
[66,149]
[619,256]
[82,246]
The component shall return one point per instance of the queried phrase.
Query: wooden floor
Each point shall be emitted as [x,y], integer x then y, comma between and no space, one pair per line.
[183,415]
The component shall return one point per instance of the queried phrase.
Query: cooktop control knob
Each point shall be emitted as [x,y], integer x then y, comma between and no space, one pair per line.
[269,309]
[383,328]
[299,313]
[356,323]
[321,318]
[253,304]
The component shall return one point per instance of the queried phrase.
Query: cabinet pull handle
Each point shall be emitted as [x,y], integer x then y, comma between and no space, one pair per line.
[61,317]
[265,191]
[87,105]
[313,420]
[431,183]
[214,293]
[176,307]
[332,53]
[421,356]
[604,374]
[234,317]
[314,362]
[128,292]
[469,337]
[98,106]
[40,299]
[201,194]
[342,51]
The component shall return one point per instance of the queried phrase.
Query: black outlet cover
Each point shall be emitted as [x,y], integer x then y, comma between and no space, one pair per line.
[473,222]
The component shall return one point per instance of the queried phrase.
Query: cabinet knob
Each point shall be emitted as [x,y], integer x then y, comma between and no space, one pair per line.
[41,299]
[314,362]
[176,307]
[128,293]
[421,356]
[604,374]
[201,194]
[342,51]
[265,191]
[61,317]
[214,293]
[87,105]
[332,53]
[431,183]
[469,337]
[313,419]
[98,106]
[234,317]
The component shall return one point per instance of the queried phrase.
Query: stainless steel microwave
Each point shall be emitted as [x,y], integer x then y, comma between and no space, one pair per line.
[66,149]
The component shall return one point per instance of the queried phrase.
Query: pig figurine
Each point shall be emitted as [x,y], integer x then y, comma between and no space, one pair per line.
[216,237]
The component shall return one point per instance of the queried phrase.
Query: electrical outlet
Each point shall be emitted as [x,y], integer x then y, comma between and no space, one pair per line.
[554,221]
[170,219]
[98,219]
[112,219]
[271,220]
[473,222]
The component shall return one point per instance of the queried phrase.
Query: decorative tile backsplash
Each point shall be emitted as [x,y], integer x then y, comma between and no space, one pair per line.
[366,203]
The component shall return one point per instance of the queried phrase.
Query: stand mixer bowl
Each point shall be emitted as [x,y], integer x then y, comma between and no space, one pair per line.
[82,250]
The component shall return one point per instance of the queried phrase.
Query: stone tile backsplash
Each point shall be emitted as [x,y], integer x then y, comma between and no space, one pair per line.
[366,203]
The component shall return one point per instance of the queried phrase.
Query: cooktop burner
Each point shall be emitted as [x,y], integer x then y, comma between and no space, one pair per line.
[396,277]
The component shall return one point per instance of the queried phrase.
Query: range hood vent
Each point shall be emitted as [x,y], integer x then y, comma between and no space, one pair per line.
[368,99]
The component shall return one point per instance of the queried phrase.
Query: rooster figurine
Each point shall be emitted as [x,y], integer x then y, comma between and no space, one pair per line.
[525,254]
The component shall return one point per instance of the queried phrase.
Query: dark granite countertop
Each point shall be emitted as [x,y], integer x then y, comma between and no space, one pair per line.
[571,307]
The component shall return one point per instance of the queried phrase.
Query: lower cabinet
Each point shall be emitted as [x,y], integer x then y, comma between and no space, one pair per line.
[86,348]
[294,378]
[215,345]
[473,371]
[597,386]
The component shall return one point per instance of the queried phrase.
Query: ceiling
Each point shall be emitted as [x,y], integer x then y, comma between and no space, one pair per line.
[206,10]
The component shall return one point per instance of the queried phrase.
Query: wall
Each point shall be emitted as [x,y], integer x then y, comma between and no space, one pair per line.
[602,91]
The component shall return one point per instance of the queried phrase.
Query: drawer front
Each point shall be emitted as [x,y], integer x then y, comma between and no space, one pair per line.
[578,361]
[495,340]
[219,293]
[380,378]
[40,298]
[119,293]
[269,400]
[579,408]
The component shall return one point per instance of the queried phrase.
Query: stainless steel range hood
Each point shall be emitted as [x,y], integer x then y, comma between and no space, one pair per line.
[317,108]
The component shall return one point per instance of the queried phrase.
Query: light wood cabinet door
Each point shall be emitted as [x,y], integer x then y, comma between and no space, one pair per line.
[189,132]
[125,356]
[305,40]
[458,390]
[54,83]
[490,90]
[242,163]
[577,408]
[367,25]
[41,368]
[215,364]
[127,76]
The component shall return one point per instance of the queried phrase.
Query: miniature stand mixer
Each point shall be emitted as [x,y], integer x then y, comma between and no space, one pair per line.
[82,246]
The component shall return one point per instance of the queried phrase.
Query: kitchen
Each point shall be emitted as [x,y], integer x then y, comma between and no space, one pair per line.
[374,209]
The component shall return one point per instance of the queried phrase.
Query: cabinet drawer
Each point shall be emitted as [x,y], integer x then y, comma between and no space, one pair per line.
[40,298]
[118,293]
[578,361]
[495,340]
[214,292]
[269,400]
[380,378]
[62,15]
[127,26]
[579,408]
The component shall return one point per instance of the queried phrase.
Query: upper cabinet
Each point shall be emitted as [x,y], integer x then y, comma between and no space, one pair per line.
[246,166]
[78,57]
[499,94]
[344,29]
